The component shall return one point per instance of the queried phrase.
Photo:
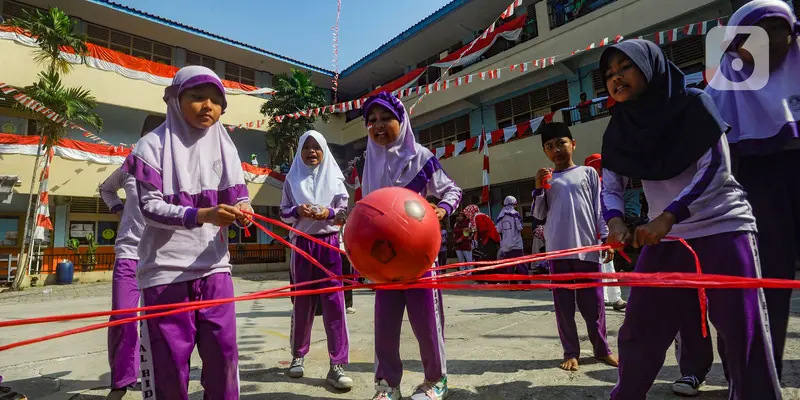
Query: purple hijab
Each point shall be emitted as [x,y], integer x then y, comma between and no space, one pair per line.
[763,121]
[398,163]
[191,167]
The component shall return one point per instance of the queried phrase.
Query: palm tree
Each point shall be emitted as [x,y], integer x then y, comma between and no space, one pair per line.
[293,92]
[52,30]
[75,104]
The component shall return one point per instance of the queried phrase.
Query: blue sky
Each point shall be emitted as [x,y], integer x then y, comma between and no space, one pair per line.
[298,29]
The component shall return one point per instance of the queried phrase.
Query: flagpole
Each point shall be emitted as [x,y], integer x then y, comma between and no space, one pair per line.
[483,132]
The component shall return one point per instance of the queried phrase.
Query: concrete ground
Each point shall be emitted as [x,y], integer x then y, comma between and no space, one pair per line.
[501,345]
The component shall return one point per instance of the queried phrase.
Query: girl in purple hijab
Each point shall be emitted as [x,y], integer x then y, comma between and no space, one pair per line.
[394,158]
[191,188]
[766,149]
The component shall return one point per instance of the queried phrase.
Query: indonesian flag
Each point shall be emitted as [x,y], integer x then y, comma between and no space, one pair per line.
[43,212]
[484,148]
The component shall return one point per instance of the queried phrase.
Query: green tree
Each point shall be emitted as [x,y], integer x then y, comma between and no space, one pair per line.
[52,30]
[294,92]
[76,104]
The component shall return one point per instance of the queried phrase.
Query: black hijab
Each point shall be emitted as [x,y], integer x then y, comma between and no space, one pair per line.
[665,130]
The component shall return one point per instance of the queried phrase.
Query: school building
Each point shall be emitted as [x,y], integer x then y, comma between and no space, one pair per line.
[507,100]
[133,54]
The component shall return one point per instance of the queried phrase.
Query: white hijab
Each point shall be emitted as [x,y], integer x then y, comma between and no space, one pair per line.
[315,185]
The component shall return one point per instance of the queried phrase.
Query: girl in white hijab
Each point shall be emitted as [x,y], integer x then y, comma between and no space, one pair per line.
[314,192]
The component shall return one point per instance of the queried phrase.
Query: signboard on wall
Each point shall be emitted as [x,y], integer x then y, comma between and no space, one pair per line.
[13,125]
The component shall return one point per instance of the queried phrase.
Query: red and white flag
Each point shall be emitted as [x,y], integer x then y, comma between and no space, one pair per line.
[43,212]
[483,147]
[510,10]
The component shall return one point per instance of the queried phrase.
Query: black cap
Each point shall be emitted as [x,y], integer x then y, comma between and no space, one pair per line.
[553,130]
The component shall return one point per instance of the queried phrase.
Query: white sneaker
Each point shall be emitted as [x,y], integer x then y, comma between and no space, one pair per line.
[385,392]
[296,369]
[338,379]
[350,310]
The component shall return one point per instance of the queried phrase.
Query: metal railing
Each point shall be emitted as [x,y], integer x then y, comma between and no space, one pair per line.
[258,255]
[581,114]
[46,263]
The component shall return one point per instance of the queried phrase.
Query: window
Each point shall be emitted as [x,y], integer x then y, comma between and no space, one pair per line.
[531,28]
[240,74]
[197,59]
[88,205]
[12,9]
[432,74]
[599,83]
[454,130]
[14,125]
[9,230]
[80,229]
[688,51]
[564,11]
[533,104]
[129,44]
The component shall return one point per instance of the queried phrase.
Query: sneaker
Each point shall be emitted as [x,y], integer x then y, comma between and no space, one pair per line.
[296,369]
[431,390]
[688,386]
[7,394]
[338,379]
[619,305]
[385,392]
[350,310]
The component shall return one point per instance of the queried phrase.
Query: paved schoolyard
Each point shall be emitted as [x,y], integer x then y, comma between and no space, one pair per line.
[500,345]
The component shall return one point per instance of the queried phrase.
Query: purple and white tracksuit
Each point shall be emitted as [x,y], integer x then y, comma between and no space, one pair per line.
[572,209]
[302,270]
[181,260]
[510,229]
[425,311]
[713,215]
[123,340]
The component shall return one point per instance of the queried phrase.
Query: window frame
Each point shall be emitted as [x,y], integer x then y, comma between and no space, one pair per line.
[131,49]
[457,134]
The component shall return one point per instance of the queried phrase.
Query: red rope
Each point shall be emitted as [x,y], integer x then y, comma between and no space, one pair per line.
[444,281]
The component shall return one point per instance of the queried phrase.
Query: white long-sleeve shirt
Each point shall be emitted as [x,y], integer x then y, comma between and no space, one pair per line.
[705,199]
[132,223]
[572,209]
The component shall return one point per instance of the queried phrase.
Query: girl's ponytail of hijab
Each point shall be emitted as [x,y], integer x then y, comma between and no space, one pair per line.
[664,131]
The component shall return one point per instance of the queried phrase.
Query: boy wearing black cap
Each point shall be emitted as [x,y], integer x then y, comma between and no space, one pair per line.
[568,197]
